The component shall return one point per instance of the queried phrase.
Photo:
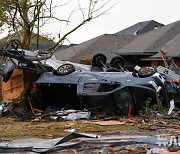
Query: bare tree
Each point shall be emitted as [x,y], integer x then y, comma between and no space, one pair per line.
[24,17]
[3,8]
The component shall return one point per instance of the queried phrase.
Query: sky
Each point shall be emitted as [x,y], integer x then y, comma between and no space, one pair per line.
[124,14]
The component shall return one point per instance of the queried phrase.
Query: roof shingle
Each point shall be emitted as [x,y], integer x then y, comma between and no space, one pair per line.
[152,42]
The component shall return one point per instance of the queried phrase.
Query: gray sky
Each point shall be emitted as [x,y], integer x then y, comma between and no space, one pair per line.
[124,14]
[127,13]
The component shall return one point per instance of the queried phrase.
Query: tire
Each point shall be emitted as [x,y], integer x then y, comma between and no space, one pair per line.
[65,69]
[98,60]
[146,71]
[117,62]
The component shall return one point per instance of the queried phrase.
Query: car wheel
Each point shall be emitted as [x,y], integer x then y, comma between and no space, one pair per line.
[99,60]
[65,69]
[117,62]
[146,71]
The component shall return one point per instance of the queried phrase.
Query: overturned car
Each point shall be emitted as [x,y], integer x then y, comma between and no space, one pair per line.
[79,86]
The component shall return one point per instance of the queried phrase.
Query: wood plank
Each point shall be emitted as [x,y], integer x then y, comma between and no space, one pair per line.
[9,94]
[14,87]
[19,80]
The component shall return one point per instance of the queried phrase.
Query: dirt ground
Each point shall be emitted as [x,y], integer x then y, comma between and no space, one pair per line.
[15,129]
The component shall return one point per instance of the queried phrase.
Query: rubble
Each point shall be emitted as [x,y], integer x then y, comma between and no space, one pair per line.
[102,95]
[85,143]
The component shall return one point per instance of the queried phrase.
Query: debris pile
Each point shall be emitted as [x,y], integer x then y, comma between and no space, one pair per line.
[85,143]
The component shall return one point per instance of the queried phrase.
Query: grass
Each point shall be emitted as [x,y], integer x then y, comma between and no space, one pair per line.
[10,128]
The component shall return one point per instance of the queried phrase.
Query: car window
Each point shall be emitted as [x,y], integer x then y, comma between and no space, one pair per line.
[106,87]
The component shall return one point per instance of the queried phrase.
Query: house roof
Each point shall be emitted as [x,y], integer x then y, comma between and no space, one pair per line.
[107,44]
[150,43]
[44,43]
[140,28]
[172,49]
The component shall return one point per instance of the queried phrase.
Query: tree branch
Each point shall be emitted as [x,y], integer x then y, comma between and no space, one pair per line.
[64,37]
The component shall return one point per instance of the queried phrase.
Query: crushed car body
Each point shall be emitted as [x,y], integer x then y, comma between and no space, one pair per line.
[79,86]
[118,90]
